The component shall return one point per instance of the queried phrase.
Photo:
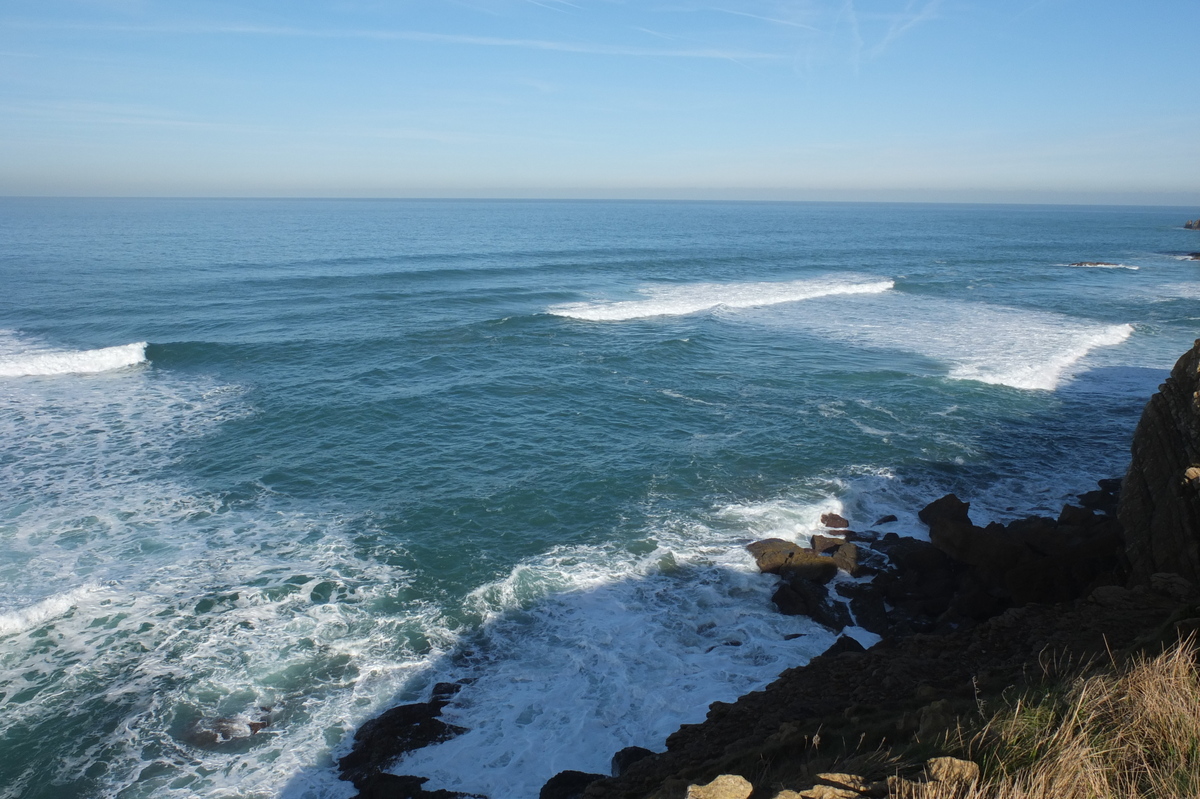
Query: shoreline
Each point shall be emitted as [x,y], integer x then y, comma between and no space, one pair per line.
[972,611]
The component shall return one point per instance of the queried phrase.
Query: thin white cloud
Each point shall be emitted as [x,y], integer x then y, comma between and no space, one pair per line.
[906,22]
[772,20]
[585,48]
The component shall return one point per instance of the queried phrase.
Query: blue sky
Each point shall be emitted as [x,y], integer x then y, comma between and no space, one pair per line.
[1020,100]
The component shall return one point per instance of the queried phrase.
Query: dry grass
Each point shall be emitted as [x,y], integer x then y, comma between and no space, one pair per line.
[1130,733]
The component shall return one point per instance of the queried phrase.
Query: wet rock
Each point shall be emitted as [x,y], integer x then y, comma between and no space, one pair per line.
[1094,263]
[867,605]
[568,785]
[383,739]
[846,558]
[809,566]
[726,786]
[625,758]
[772,553]
[1192,224]
[397,786]
[803,597]
[885,520]
[834,521]
[844,644]
[823,543]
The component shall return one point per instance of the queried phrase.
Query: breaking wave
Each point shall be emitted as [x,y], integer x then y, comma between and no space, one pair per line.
[696,297]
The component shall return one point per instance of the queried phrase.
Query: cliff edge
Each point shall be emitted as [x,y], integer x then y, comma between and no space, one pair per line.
[1160,495]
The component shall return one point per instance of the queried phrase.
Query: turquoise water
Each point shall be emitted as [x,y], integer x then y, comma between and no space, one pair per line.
[292,462]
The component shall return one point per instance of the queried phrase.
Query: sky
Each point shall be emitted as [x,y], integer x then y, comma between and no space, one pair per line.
[909,100]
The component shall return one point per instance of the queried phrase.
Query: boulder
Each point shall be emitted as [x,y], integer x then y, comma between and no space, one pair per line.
[834,520]
[772,553]
[568,785]
[823,543]
[846,559]
[625,758]
[726,786]
[1192,224]
[808,565]
[952,770]
[853,782]
[886,520]
[804,597]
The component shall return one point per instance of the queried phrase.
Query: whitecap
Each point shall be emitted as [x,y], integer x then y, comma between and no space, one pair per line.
[39,362]
[696,297]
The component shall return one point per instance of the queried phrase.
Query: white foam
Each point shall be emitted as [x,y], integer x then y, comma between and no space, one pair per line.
[20,620]
[1052,355]
[64,362]
[696,297]
[610,649]
[1099,265]
[1016,347]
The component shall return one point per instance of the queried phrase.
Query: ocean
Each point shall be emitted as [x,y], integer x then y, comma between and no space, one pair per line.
[269,467]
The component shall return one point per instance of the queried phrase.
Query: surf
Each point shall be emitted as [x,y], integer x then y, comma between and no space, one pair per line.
[696,297]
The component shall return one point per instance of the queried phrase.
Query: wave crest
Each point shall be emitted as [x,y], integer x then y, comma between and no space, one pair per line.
[689,299]
[30,364]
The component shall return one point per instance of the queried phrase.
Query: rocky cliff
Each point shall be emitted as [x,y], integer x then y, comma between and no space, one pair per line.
[1160,496]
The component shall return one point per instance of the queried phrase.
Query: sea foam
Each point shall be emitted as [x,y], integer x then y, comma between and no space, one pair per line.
[696,297]
[30,363]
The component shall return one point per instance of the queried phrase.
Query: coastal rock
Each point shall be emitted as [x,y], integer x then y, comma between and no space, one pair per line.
[726,786]
[1192,224]
[799,596]
[806,565]
[772,553]
[568,785]
[1094,263]
[625,758]
[834,521]
[1160,503]
[823,543]
[383,739]
[827,792]
[886,519]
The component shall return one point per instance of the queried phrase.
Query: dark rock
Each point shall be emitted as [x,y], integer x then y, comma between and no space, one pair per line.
[803,597]
[625,758]
[568,785]
[1112,485]
[834,520]
[1192,224]
[1160,500]
[844,644]
[395,786]
[380,741]
[808,565]
[1094,263]
[948,508]
[886,520]
[1099,500]
[867,605]
[1078,517]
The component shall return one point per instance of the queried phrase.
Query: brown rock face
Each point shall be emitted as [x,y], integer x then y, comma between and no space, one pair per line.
[1160,496]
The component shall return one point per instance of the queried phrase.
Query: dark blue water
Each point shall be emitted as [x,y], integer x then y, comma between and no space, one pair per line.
[289,462]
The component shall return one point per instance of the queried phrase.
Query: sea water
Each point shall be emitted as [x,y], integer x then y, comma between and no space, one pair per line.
[268,468]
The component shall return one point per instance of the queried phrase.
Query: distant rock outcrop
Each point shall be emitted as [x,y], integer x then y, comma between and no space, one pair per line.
[1192,224]
[1160,497]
